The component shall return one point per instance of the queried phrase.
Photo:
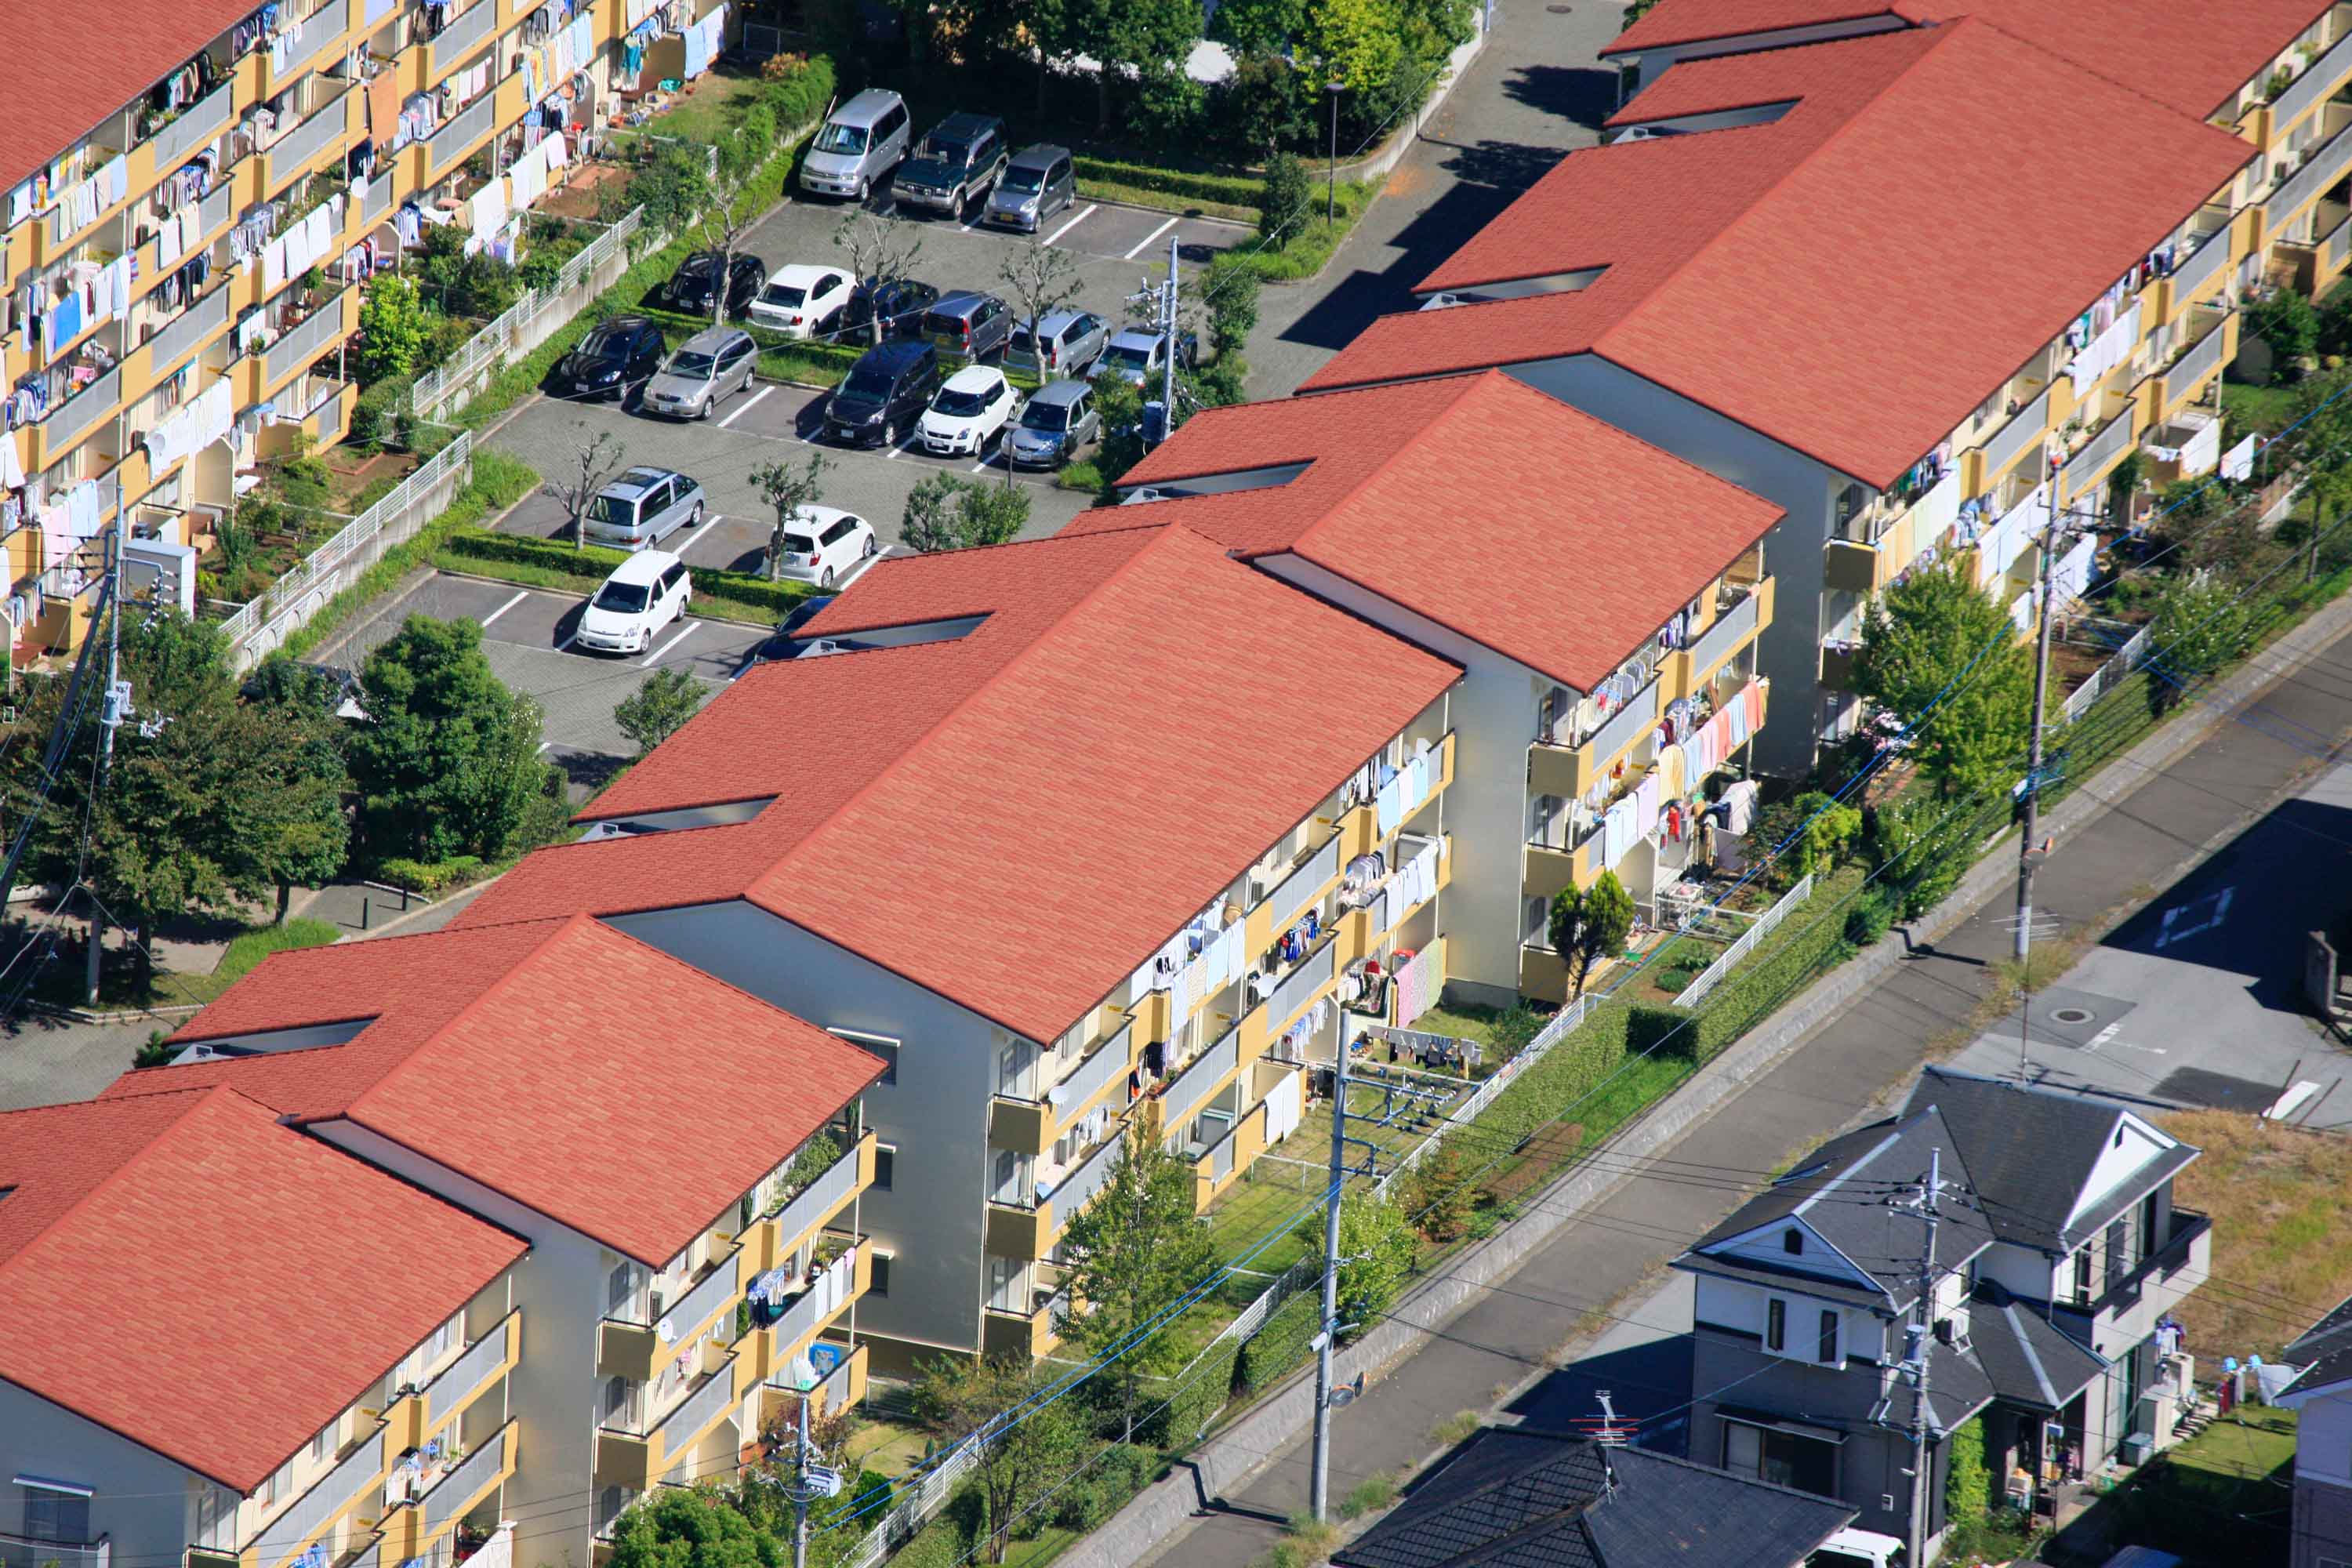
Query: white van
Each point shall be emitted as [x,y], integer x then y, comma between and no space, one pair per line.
[865,140]
[644,594]
[1857,1549]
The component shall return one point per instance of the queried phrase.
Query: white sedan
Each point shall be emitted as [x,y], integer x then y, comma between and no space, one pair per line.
[968,411]
[822,543]
[803,301]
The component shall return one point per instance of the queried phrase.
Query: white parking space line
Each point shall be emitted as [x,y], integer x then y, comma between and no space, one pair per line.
[565,645]
[743,408]
[655,657]
[695,538]
[1084,214]
[502,609]
[1148,238]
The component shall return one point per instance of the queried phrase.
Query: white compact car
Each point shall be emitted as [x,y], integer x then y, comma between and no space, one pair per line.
[804,302]
[822,543]
[644,594]
[968,411]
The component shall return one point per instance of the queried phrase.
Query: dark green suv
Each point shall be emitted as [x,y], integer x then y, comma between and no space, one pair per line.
[959,161]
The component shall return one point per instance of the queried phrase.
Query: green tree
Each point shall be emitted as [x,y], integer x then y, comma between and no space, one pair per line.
[2290,326]
[790,489]
[1232,310]
[597,460]
[2199,627]
[1967,1481]
[1944,659]
[693,1527]
[1148,37]
[672,186]
[1589,923]
[1815,829]
[1261,106]
[1358,42]
[1260,27]
[659,708]
[1283,200]
[958,1397]
[296,833]
[1439,1194]
[447,762]
[394,326]
[946,512]
[478,285]
[1634,11]
[1923,846]
[1130,1253]
[1120,404]
[1376,1251]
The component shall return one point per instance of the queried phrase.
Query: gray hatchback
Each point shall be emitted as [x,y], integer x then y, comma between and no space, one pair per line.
[968,325]
[709,366]
[1066,342]
[1038,183]
[1059,419]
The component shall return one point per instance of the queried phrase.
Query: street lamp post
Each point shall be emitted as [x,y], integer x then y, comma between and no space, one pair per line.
[1335,87]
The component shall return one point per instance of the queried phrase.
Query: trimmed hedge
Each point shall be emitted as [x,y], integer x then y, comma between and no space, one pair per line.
[593,564]
[1231,190]
[1281,1345]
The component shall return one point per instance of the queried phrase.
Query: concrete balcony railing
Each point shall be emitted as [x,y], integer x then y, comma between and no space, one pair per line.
[628,1341]
[1008,1330]
[834,1287]
[1028,1230]
[322,31]
[824,1197]
[2090,464]
[1299,890]
[675,1438]
[456,1492]
[2322,169]
[465,33]
[184,137]
[80,415]
[1295,991]
[1568,770]
[457,136]
[457,1385]
[318,332]
[2203,264]
[2318,82]
[2201,360]
[1732,630]
[1030,1125]
[184,332]
[299,148]
[2020,435]
[1192,1088]
[359,1474]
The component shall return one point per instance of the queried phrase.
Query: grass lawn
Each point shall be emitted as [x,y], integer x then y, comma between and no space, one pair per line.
[887,1447]
[63,983]
[2262,408]
[709,111]
[2221,1498]
[2280,1201]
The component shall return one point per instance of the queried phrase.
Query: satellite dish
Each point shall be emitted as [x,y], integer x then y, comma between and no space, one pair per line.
[665,1330]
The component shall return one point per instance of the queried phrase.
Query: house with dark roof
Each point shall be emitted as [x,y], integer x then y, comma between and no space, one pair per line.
[1518,1498]
[1479,519]
[222,1341]
[684,1161]
[2321,1396]
[2044,1313]
[1758,325]
[1072,833]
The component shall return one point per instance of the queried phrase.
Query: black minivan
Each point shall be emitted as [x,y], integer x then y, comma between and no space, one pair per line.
[615,354]
[884,394]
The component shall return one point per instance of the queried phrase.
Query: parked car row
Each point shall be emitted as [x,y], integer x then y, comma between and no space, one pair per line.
[963,159]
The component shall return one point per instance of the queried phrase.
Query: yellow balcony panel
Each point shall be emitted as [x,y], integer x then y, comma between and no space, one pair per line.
[1031,1335]
[462,37]
[1837,667]
[479,1368]
[625,1350]
[1693,665]
[1014,1231]
[623,1460]
[1542,977]
[1359,833]
[1023,1124]
[679,1432]
[1855,567]
[309,339]
[1548,870]
[1101,1071]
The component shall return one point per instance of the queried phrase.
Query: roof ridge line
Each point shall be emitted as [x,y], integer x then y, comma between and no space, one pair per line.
[2089,70]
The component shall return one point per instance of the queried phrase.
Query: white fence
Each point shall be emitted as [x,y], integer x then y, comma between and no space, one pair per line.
[1712,975]
[264,624]
[531,320]
[2104,678]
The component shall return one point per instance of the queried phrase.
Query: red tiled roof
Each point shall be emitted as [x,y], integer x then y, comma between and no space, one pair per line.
[1851,278]
[62,87]
[1017,818]
[2177,53]
[562,1063]
[1477,501]
[175,1267]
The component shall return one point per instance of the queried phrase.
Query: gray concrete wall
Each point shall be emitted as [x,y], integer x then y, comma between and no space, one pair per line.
[2322,1524]
[143,1503]
[1789,650]
[933,1219]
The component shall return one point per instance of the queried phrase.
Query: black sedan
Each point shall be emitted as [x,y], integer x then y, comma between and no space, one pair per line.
[900,304]
[690,288]
[615,354]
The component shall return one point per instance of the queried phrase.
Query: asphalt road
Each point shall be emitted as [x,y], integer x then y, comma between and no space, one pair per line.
[1512,1344]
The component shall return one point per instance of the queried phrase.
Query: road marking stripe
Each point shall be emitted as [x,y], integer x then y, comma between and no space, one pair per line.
[565,645]
[502,609]
[1065,229]
[651,659]
[542,752]
[1148,238]
[743,408]
[696,537]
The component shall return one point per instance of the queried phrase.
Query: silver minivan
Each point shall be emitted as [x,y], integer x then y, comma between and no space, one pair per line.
[707,367]
[1065,344]
[644,507]
[865,140]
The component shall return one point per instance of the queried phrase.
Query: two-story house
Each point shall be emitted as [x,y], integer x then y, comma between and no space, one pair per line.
[2058,1256]
[2321,1397]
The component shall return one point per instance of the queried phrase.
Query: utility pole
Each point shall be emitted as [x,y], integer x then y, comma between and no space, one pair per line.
[1168,371]
[1924,1331]
[2026,851]
[116,705]
[810,1480]
[1319,1476]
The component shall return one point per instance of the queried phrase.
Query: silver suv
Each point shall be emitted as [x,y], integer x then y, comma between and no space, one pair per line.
[863,141]
[644,507]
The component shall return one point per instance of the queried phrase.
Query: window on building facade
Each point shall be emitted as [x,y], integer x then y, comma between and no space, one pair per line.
[1828,1348]
[1776,1324]
[54,1513]
[1784,1458]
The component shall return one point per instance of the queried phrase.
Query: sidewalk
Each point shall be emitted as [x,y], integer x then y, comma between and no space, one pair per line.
[2153,815]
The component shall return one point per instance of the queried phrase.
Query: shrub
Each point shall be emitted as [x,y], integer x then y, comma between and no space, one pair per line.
[428,876]
[1868,916]
[1281,1344]
[1281,200]
[2288,325]
[1661,1031]
[1232,190]
[593,564]
[1107,1485]
[376,417]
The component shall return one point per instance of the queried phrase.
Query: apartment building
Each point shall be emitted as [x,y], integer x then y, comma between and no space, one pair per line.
[684,1161]
[1859,307]
[2320,1394]
[1074,832]
[204,1356]
[187,212]
[1602,598]
[2059,1256]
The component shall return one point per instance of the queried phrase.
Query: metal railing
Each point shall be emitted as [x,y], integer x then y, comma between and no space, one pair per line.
[1297,890]
[72,418]
[378,200]
[458,135]
[34,1552]
[2199,363]
[697,1414]
[361,1470]
[322,330]
[504,334]
[463,1378]
[465,30]
[290,599]
[1086,1181]
[1191,1087]
[1622,728]
[1708,979]
[454,1492]
[2089,465]
[322,27]
[699,1301]
[1107,1062]
[815,1202]
[1732,627]
[834,1389]
[1294,990]
[2319,171]
[307,140]
[205,119]
[824,1298]
[2013,440]
[2106,678]
[2202,263]
[2308,89]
